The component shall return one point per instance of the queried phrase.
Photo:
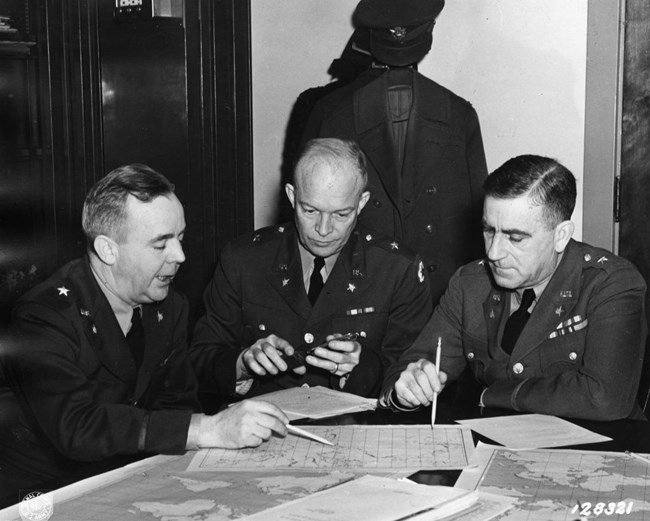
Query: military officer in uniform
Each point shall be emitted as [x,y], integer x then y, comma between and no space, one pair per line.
[546,324]
[97,364]
[426,162]
[285,290]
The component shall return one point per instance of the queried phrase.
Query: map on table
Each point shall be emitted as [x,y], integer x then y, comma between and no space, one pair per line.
[357,448]
[563,485]
[165,491]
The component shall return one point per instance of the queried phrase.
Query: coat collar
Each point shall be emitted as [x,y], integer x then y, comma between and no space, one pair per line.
[428,129]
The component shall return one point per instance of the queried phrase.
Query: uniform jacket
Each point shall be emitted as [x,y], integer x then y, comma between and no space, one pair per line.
[433,203]
[579,355]
[74,378]
[376,288]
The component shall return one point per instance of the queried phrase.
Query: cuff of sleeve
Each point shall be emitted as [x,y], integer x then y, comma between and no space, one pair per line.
[389,401]
[502,395]
[166,431]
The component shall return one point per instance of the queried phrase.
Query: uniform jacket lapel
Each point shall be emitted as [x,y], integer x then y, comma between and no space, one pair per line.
[101,328]
[428,131]
[373,130]
[286,274]
[554,305]
[349,270]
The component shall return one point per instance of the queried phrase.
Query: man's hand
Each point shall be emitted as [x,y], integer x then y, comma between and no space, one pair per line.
[245,424]
[418,383]
[263,357]
[339,357]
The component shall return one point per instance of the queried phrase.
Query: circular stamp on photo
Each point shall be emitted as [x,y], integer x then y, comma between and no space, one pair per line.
[36,506]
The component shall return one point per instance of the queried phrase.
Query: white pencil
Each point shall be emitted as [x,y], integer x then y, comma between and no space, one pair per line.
[434,402]
[307,434]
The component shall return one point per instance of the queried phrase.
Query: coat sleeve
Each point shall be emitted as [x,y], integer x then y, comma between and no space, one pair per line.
[215,342]
[604,386]
[85,419]
[444,323]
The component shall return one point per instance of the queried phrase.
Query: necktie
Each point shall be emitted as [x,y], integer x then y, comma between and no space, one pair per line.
[517,321]
[135,337]
[316,282]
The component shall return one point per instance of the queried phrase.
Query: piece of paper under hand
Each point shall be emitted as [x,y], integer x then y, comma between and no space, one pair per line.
[376,498]
[532,431]
[317,402]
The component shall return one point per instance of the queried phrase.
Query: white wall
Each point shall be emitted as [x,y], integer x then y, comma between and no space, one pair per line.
[522,64]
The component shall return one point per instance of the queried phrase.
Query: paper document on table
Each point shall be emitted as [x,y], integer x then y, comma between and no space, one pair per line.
[372,497]
[317,402]
[562,484]
[356,448]
[532,431]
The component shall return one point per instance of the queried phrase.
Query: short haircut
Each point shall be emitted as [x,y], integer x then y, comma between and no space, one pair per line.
[104,210]
[340,154]
[544,180]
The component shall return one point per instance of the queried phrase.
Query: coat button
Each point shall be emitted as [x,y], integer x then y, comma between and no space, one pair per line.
[573,355]
[309,338]
[261,327]
[518,368]
[470,356]
[376,203]
[431,190]
[431,268]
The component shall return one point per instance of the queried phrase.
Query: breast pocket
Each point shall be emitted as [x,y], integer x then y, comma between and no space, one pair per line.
[562,353]
[371,328]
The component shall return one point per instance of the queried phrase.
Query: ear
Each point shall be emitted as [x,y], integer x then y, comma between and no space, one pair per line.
[365,196]
[106,249]
[563,233]
[291,194]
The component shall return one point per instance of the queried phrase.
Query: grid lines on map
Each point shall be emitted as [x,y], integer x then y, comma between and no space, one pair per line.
[355,447]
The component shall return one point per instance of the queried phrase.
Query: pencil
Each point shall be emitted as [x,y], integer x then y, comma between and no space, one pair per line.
[637,456]
[434,402]
[307,434]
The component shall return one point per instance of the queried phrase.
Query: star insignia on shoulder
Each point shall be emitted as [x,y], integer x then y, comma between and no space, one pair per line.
[160,316]
[602,260]
[394,246]
[351,287]
[63,291]
[285,282]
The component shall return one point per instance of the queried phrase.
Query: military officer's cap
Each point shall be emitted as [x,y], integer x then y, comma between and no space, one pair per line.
[400,30]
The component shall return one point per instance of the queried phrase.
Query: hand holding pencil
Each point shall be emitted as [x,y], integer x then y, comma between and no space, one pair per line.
[421,381]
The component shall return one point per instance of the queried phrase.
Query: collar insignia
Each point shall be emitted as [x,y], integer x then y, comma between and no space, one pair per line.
[285,282]
[160,316]
[602,260]
[394,246]
[63,291]
[351,287]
